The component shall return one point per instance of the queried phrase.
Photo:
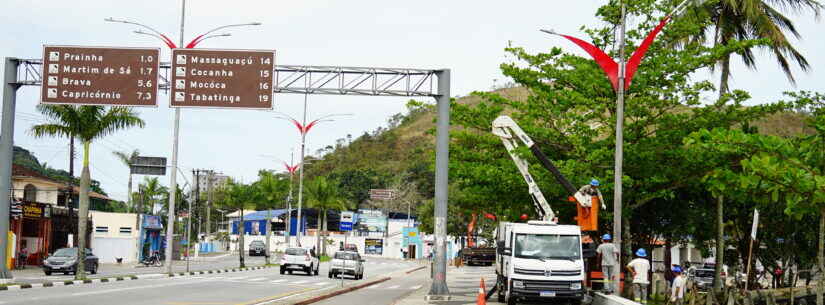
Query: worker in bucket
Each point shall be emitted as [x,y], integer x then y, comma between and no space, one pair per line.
[639,268]
[609,257]
[587,197]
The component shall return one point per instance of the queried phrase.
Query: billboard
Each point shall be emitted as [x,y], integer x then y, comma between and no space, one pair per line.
[371,221]
[373,246]
[100,76]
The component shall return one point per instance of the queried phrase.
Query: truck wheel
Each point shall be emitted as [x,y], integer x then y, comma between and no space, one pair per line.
[282,270]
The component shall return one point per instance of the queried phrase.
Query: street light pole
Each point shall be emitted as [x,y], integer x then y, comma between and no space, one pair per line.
[170,231]
[301,173]
[617,178]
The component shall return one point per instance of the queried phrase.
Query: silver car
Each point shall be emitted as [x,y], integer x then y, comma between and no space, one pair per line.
[347,263]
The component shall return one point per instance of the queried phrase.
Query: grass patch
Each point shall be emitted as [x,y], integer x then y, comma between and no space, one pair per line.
[271,265]
[325,258]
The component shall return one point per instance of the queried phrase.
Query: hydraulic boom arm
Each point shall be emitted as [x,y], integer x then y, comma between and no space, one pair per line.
[510,133]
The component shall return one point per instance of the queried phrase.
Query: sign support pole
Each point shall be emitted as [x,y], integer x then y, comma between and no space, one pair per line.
[173,184]
[439,290]
[10,87]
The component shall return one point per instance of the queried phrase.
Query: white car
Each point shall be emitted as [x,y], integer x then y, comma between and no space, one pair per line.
[299,259]
[347,262]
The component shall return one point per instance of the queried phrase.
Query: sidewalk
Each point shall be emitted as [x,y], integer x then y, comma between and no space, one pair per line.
[463,284]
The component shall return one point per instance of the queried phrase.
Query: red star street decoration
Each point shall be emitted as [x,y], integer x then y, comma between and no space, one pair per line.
[608,65]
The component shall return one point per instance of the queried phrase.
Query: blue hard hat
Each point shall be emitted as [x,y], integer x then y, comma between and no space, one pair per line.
[594,182]
[641,253]
[677,269]
[606,237]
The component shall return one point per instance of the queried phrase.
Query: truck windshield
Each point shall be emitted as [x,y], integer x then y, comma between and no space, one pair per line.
[542,246]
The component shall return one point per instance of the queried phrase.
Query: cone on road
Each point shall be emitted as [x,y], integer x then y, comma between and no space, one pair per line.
[482,295]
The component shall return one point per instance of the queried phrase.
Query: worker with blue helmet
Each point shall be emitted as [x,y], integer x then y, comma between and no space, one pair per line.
[677,291]
[587,192]
[639,268]
[608,254]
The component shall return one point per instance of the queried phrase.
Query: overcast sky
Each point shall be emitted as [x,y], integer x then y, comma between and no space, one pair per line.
[465,36]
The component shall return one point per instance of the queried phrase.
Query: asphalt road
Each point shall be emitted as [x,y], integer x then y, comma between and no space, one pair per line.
[383,293]
[249,287]
[33,274]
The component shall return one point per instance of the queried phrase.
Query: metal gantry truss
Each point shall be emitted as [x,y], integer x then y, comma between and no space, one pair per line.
[306,79]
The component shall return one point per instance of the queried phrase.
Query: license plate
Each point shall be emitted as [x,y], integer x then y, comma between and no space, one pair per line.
[547,293]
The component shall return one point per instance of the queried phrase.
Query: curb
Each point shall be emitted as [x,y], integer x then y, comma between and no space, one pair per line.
[124,278]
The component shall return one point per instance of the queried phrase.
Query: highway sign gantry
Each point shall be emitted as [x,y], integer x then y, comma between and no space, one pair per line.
[99,76]
[222,78]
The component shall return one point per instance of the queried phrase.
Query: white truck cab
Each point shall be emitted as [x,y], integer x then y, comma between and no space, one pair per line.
[539,261]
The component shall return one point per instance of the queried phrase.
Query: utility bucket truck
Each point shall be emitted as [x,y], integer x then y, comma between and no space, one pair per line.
[538,260]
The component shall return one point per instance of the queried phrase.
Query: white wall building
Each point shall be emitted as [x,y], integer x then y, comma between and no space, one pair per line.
[114,236]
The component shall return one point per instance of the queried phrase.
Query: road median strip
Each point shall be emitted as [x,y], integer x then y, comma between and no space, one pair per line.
[415,269]
[122,278]
[342,291]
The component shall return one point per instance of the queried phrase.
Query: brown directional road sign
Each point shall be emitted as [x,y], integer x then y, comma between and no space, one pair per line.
[222,78]
[99,76]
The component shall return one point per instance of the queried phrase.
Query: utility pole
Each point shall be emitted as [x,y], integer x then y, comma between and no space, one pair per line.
[10,87]
[289,198]
[209,180]
[170,227]
[617,179]
[139,227]
[189,228]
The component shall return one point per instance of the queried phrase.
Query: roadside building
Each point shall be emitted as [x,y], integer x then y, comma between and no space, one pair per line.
[114,237]
[43,214]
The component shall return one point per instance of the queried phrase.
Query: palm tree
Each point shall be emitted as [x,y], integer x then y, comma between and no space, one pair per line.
[271,190]
[755,19]
[238,196]
[324,195]
[152,190]
[127,159]
[86,123]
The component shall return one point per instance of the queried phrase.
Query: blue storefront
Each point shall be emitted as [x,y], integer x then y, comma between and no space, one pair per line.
[151,236]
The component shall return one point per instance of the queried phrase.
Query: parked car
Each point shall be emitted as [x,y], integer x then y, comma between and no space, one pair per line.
[299,259]
[347,263]
[703,276]
[65,260]
[257,247]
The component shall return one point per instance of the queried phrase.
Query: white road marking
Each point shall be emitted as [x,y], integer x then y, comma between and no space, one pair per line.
[393,287]
[128,288]
[278,281]
[238,278]
[415,287]
[257,279]
[301,282]
[374,286]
